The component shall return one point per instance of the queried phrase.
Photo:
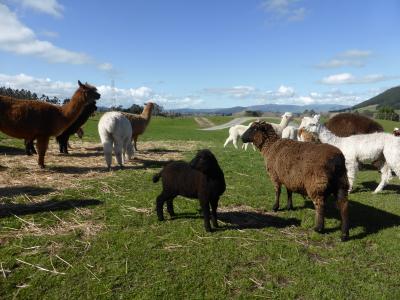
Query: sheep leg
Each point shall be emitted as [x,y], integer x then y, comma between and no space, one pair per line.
[170,207]
[107,148]
[42,144]
[254,148]
[386,175]
[343,205]
[277,196]
[319,214]
[159,205]
[289,200]
[214,206]
[235,142]
[205,206]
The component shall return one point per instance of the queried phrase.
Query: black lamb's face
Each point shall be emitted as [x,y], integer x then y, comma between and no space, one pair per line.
[249,134]
[204,161]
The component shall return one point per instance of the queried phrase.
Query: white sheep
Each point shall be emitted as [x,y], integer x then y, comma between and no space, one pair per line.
[235,132]
[362,147]
[115,128]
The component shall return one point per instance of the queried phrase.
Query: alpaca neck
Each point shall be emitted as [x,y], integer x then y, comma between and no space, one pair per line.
[326,136]
[284,122]
[146,113]
[73,108]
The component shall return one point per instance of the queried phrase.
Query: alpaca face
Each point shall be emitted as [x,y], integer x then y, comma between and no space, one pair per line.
[89,91]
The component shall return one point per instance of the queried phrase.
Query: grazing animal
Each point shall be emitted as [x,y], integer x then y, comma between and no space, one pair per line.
[396,131]
[139,122]
[362,147]
[201,179]
[306,136]
[30,120]
[235,132]
[115,129]
[313,170]
[75,127]
[347,124]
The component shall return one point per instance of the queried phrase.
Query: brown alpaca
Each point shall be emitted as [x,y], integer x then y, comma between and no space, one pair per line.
[30,120]
[346,124]
[314,170]
[139,122]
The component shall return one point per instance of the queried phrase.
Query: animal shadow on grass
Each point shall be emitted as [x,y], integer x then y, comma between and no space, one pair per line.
[12,191]
[10,209]
[254,220]
[370,186]
[370,218]
[11,150]
[150,164]
[76,170]
[82,154]
[161,151]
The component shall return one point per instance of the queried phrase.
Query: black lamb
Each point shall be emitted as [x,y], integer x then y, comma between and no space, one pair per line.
[63,138]
[202,178]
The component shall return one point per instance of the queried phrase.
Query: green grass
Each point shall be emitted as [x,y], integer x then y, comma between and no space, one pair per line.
[129,254]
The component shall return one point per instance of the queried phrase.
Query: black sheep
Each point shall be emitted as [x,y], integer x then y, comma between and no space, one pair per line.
[201,179]
[63,138]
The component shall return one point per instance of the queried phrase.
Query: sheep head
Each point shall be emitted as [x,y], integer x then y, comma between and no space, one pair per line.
[205,162]
[260,133]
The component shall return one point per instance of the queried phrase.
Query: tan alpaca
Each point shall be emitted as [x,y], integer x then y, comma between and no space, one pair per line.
[140,122]
[30,120]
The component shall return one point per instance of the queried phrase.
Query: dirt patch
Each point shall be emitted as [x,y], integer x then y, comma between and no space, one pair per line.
[20,174]
[204,122]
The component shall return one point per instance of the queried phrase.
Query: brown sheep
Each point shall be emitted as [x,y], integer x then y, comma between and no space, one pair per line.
[139,122]
[202,178]
[30,120]
[346,124]
[313,170]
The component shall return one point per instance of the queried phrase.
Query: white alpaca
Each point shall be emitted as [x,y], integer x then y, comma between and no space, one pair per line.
[362,147]
[115,128]
[235,132]
[286,117]
[290,132]
[305,122]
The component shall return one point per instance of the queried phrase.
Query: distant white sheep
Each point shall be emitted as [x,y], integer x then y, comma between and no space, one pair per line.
[362,147]
[115,129]
[235,132]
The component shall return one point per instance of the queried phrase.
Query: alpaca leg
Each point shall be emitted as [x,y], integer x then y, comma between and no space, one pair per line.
[118,152]
[245,146]
[289,200]
[343,206]
[42,144]
[386,175]
[107,148]
[319,204]
[229,139]
[135,142]
[254,148]
[235,142]
[351,173]
[205,206]
[277,196]
[214,206]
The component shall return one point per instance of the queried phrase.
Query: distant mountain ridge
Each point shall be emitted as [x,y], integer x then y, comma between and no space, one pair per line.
[390,97]
[263,108]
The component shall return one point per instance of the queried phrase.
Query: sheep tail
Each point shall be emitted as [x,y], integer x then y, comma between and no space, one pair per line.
[156,177]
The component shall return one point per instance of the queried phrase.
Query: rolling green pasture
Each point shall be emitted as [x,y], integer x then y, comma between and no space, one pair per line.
[101,239]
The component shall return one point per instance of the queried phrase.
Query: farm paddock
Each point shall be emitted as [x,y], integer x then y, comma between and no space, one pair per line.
[74,230]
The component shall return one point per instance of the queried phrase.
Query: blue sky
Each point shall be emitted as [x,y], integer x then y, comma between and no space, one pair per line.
[208,53]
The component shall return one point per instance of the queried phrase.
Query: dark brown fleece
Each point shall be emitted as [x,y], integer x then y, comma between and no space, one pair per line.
[346,124]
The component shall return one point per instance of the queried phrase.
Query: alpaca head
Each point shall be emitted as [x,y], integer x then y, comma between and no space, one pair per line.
[205,162]
[306,121]
[287,116]
[259,133]
[313,125]
[89,92]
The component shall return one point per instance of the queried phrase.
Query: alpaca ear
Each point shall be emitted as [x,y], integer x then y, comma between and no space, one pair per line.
[80,83]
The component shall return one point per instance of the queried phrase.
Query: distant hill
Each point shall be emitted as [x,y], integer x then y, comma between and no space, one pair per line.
[263,108]
[390,97]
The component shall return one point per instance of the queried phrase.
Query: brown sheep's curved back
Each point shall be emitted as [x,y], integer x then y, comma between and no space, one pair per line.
[346,124]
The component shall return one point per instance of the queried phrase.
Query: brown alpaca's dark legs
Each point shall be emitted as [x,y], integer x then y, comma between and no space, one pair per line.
[319,214]
[343,205]
[289,200]
[42,143]
[135,137]
[277,187]
[214,206]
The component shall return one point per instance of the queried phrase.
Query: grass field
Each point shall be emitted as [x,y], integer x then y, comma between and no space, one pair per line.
[75,231]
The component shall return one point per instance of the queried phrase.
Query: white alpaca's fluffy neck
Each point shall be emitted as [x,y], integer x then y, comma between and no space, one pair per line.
[326,136]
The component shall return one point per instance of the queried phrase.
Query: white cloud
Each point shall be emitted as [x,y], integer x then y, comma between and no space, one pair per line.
[284,9]
[349,58]
[356,53]
[285,91]
[240,91]
[51,7]
[105,66]
[125,97]
[347,78]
